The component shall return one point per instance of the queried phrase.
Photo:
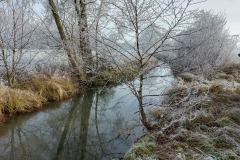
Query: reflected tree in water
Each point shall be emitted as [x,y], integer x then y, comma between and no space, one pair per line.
[87,126]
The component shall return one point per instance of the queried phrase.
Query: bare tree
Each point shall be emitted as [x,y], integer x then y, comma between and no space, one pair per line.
[84,44]
[71,18]
[16,34]
[131,21]
[66,45]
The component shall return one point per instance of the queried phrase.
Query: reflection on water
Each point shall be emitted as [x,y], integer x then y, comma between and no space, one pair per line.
[93,125]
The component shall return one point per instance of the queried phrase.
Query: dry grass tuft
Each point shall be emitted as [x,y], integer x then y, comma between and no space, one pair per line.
[114,76]
[187,77]
[14,100]
[33,92]
[223,76]
[216,88]
[232,69]
[50,88]
[143,149]
[158,112]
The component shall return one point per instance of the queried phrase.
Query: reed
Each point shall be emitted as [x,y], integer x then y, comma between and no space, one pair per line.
[34,92]
[51,88]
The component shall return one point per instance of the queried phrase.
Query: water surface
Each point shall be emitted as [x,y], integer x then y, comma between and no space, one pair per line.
[99,124]
[93,125]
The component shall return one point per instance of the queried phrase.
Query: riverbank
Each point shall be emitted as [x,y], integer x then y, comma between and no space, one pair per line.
[34,92]
[199,119]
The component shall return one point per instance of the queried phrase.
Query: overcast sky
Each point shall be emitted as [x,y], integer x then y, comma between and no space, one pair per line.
[230,7]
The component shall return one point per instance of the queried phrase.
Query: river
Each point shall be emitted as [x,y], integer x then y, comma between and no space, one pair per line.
[98,124]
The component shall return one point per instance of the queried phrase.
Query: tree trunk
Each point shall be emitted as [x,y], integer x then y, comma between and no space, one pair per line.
[6,66]
[96,34]
[141,109]
[84,43]
[77,69]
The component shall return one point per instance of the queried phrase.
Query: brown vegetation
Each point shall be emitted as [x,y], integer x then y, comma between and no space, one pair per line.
[50,88]
[33,92]
[114,75]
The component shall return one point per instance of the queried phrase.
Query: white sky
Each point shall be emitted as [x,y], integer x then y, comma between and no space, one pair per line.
[230,7]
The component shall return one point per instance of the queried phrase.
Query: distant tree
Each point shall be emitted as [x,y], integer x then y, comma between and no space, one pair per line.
[205,44]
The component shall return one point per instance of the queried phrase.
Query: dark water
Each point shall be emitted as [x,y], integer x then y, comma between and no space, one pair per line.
[98,124]
[93,125]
